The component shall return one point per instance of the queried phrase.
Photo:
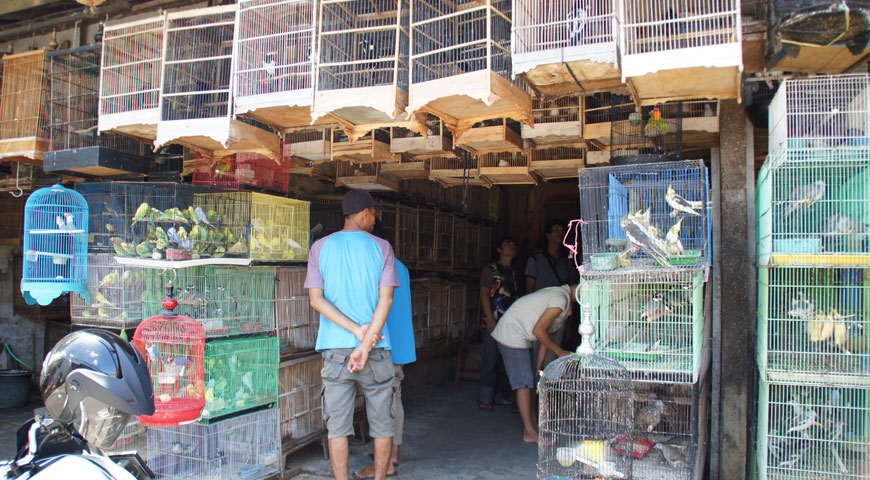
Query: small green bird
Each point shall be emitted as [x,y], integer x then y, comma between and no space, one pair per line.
[143,250]
[102,300]
[110,278]
[110,228]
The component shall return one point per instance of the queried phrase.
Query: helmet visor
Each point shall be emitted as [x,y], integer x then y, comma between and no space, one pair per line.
[99,423]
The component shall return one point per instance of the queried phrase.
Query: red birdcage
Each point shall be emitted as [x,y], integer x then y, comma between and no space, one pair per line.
[242,169]
[174,350]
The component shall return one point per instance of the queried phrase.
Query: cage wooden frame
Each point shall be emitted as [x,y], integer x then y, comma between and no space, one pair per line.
[507,168]
[373,146]
[364,176]
[558,122]
[450,171]
[557,162]
[491,136]
[23,96]
[311,145]
[299,402]
[435,139]
[297,322]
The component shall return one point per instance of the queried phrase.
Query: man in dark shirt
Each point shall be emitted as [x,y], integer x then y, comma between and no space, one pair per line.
[550,267]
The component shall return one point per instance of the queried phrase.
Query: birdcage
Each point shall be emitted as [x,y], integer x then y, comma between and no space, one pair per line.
[247,446]
[825,112]
[451,171]
[644,203]
[558,162]
[427,249]
[809,431]
[22,107]
[585,410]
[420,312]
[472,248]
[115,293]
[472,312]
[225,300]
[274,61]
[487,136]
[196,96]
[181,222]
[460,244]
[132,439]
[444,227]
[456,309]
[406,167]
[813,207]
[374,146]
[557,122]
[240,374]
[173,347]
[565,45]
[814,36]
[242,169]
[312,145]
[72,109]
[326,217]
[364,176]
[362,73]
[486,247]
[661,43]
[670,431]
[55,245]
[130,71]
[389,217]
[430,138]
[653,134]
[494,211]
[297,322]
[439,321]
[811,325]
[506,168]
[461,63]
[299,401]
[407,238]
[652,322]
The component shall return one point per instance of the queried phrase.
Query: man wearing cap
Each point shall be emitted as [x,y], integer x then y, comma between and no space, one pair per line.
[351,277]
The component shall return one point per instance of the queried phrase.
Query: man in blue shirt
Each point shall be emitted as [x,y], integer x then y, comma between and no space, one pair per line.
[401,327]
[351,277]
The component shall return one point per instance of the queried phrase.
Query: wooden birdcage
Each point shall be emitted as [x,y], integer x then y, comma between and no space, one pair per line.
[664,42]
[444,240]
[599,111]
[461,63]
[407,225]
[22,107]
[407,167]
[558,162]
[420,312]
[196,96]
[496,135]
[435,139]
[311,145]
[362,72]
[296,321]
[372,147]
[299,402]
[274,61]
[456,171]
[426,238]
[364,176]
[506,168]
[564,46]
[557,123]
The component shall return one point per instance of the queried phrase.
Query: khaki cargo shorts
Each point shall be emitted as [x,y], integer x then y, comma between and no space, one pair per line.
[339,391]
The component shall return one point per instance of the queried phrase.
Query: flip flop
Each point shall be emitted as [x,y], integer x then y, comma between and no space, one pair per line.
[487,407]
[369,472]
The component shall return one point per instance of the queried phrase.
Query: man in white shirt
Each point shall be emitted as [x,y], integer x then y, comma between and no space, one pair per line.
[531,318]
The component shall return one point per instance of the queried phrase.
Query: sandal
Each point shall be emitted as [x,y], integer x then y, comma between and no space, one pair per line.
[369,472]
[485,406]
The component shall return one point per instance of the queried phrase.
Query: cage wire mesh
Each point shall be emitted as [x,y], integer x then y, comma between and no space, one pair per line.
[299,400]
[814,207]
[22,95]
[654,26]
[807,431]
[130,73]
[388,216]
[312,145]
[115,295]
[363,43]
[197,66]
[460,242]
[651,322]
[326,217]
[240,374]
[296,320]
[456,311]
[247,446]
[274,53]
[444,227]
[452,38]
[426,235]
[407,238]
[637,202]
[132,439]
[813,323]
[439,323]
[420,312]
[557,110]
[587,28]
[822,111]
[585,414]
[653,134]
[232,172]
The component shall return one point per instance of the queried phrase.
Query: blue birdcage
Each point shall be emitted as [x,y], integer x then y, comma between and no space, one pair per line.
[55,245]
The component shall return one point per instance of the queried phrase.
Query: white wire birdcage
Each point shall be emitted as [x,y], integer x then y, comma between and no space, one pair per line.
[133,438]
[811,325]
[813,207]
[115,295]
[274,61]
[247,446]
[824,111]
[582,34]
[807,431]
[299,401]
[130,72]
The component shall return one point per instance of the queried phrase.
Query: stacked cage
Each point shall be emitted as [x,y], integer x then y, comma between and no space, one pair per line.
[645,233]
[242,170]
[72,108]
[812,226]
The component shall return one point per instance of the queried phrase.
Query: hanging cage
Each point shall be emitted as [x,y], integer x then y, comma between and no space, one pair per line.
[242,170]
[653,134]
[22,107]
[55,245]
[173,347]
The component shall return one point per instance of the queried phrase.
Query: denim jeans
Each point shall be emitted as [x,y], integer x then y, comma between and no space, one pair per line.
[493,381]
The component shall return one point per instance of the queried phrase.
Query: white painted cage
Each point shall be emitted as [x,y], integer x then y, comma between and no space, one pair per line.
[823,111]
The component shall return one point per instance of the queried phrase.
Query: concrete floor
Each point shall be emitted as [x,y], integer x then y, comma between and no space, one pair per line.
[446,437]
[10,420]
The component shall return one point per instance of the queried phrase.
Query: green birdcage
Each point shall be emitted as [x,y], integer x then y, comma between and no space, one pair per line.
[813,324]
[813,207]
[807,431]
[240,374]
[226,300]
[653,323]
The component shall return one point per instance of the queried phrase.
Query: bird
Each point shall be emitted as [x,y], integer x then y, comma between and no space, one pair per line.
[673,454]
[805,420]
[202,217]
[181,449]
[644,241]
[153,351]
[269,63]
[673,244]
[190,296]
[649,416]
[110,278]
[110,228]
[575,21]
[655,125]
[102,300]
[680,204]
[61,225]
[141,213]
[804,197]
[367,48]
[802,306]
[69,222]
[838,225]
[655,308]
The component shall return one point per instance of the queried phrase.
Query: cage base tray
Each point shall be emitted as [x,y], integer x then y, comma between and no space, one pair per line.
[95,161]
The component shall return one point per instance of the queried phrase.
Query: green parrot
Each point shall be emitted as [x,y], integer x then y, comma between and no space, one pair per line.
[161,235]
[110,278]
[117,244]
[143,250]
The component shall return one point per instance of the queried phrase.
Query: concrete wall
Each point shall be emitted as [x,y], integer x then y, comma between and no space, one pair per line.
[25,335]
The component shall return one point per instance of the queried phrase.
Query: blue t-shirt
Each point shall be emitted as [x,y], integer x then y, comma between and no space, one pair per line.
[350,266]
[400,321]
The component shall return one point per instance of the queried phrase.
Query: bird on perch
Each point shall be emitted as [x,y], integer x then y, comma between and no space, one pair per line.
[680,204]
[655,125]
[804,197]
[649,416]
